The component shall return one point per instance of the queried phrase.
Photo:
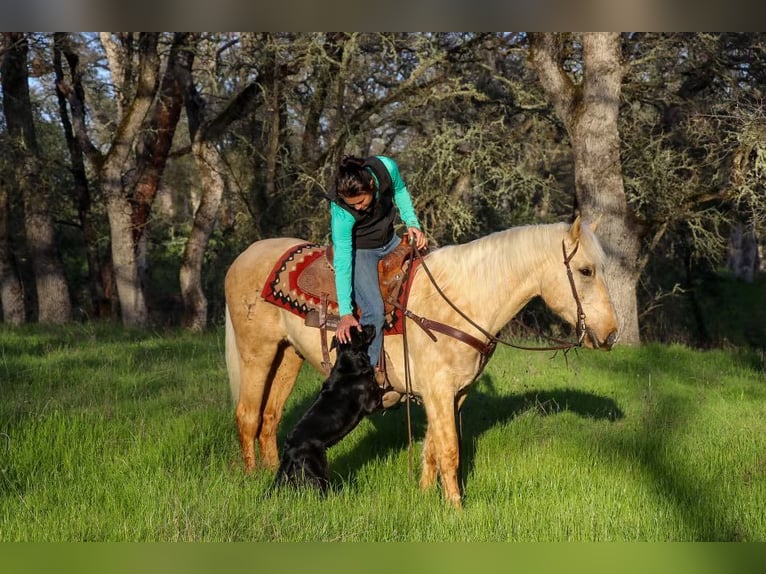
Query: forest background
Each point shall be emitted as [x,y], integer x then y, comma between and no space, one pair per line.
[136,166]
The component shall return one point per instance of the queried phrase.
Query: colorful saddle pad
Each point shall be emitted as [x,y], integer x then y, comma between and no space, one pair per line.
[299,278]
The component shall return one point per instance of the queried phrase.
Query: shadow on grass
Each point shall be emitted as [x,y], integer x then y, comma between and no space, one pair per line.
[695,498]
[666,412]
[660,414]
[692,497]
[483,410]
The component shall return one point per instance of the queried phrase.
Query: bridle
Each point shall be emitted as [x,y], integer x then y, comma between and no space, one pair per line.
[580,327]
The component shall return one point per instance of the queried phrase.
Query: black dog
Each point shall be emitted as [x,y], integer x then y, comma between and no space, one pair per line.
[348,395]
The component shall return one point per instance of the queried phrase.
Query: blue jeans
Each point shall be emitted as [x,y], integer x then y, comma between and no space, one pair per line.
[367,292]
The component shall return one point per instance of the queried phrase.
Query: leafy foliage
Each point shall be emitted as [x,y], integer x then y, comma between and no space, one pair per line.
[462,113]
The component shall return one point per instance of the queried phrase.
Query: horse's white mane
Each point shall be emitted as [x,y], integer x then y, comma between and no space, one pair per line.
[525,241]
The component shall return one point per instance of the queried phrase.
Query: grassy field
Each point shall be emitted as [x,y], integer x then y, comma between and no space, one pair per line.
[112,435]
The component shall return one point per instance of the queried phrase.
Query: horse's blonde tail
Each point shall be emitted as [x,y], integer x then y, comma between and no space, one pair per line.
[232,358]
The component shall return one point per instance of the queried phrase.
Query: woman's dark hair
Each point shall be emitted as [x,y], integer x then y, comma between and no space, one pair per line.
[353,179]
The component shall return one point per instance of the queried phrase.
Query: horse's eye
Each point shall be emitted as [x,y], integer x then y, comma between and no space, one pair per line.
[586,272]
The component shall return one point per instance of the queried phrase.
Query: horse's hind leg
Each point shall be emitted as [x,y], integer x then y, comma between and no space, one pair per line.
[281,386]
[257,366]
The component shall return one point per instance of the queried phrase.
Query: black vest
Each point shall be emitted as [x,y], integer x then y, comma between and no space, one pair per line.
[374,227]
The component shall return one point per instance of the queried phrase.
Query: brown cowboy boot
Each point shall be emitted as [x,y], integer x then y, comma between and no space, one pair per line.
[391,398]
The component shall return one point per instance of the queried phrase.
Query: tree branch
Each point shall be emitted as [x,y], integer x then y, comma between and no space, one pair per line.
[237,107]
[544,54]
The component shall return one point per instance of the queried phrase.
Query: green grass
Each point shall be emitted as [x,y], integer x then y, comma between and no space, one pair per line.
[112,435]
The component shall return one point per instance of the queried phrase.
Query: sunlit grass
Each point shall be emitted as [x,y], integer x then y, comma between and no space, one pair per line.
[114,435]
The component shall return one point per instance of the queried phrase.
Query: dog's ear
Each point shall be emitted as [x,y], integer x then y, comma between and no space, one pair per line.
[334,342]
[374,400]
[368,333]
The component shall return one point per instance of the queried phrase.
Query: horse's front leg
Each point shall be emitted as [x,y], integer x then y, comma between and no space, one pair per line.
[429,465]
[441,448]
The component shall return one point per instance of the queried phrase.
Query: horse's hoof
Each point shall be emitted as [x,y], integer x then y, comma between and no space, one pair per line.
[391,398]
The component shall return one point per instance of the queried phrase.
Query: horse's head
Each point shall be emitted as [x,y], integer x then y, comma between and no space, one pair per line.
[581,254]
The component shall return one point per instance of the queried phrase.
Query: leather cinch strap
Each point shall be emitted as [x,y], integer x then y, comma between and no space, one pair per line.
[326,364]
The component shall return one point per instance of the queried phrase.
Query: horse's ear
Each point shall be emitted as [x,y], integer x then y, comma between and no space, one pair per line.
[594,225]
[575,230]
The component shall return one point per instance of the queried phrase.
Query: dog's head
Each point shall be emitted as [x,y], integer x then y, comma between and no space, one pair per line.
[355,350]
[360,339]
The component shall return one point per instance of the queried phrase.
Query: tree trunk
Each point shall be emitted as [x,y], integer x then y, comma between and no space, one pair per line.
[589,112]
[326,70]
[271,79]
[53,303]
[154,145]
[137,85]
[743,252]
[210,166]
[119,209]
[133,106]
[62,46]
[129,289]
[155,142]
[11,292]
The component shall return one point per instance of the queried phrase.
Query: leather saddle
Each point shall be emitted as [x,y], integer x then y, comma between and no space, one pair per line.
[318,279]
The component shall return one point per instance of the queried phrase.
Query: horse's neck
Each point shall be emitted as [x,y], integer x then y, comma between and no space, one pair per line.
[492,278]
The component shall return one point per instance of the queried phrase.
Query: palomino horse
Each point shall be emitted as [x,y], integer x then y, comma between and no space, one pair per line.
[489,280]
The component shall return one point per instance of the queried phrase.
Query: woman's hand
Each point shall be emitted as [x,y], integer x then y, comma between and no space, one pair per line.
[343,330]
[420,238]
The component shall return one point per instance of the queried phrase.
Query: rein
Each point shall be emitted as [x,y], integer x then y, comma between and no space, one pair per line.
[486,349]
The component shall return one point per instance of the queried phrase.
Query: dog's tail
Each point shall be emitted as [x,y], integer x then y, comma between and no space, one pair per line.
[232,358]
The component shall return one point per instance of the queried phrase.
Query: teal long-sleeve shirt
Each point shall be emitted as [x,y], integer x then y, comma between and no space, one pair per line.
[342,226]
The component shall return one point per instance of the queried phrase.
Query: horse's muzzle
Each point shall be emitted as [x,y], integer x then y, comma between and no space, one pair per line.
[606,344]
